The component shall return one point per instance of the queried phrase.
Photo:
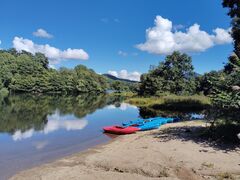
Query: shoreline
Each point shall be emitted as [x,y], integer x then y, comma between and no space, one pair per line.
[156,154]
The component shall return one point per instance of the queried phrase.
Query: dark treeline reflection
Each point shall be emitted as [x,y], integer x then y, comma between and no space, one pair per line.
[23,112]
[147,112]
[209,114]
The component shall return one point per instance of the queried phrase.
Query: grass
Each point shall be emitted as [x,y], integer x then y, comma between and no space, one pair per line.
[171,102]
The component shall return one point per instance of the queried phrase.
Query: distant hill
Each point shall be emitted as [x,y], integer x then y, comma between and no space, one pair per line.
[109,76]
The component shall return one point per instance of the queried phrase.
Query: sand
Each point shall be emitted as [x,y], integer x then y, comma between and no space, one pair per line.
[171,152]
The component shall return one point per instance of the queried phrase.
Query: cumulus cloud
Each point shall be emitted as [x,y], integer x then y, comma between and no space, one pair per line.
[124,74]
[54,54]
[161,39]
[113,73]
[42,33]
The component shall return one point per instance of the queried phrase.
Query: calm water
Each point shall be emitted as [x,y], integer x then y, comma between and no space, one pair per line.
[36,130]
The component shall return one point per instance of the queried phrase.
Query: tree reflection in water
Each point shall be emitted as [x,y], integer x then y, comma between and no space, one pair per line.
[21,115]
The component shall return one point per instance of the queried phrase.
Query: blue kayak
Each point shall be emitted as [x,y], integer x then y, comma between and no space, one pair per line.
[141,121]
[149,125]
[159,120]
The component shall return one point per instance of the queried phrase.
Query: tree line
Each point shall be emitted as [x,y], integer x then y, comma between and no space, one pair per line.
[25,72]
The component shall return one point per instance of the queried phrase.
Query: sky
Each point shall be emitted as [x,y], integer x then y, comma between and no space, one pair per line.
[120,37]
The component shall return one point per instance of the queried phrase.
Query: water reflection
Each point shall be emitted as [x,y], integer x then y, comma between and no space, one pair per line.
[38,129]
[122,106]
[23,115]
[147,112]
[40,144]
[54,123]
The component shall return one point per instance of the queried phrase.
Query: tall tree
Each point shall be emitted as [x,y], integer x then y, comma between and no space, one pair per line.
[234,13]
[227,95]
[174,75]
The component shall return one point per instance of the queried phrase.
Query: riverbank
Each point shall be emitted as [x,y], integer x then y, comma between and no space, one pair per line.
[174,151]
[171,102]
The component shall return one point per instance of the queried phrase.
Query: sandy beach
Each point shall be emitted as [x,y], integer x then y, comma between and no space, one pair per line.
[172,152]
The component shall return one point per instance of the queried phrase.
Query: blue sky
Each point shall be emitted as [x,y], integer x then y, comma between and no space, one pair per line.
[109,30]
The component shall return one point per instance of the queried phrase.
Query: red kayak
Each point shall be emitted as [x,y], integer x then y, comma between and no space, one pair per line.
[120,129]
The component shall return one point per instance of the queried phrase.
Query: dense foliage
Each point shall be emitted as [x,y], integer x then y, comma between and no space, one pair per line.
[121,86]
[208,82]
[175,75]
[25,72]
[227,94]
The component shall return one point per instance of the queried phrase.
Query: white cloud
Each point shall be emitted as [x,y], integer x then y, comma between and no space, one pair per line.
[124,74]
[161,39]
[54,54]
[113,73]
[122,53]
[42,33]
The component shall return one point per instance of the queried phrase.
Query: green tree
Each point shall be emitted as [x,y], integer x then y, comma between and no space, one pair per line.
[227,94]
[119,86]
[234,13]
[174,75]
[208,83]
[43,60]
